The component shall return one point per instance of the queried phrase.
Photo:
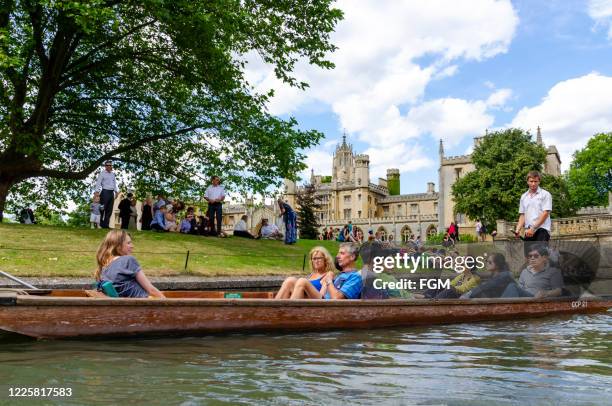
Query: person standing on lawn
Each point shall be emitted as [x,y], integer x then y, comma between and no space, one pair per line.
[290,219]
[214,195]
[106,184]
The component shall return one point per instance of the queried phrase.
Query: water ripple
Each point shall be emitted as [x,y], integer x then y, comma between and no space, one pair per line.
[545,361]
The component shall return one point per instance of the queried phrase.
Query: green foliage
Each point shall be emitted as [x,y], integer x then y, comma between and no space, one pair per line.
[589,178]
[48,217]
[436,239]
[467,238]
[159,86]
[563,205]
[393,184]
[307,219]
[79,217]
[493,190]
[326,179]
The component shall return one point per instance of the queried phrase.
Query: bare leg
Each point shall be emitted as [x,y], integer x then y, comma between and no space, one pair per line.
[286,288]
[304,290]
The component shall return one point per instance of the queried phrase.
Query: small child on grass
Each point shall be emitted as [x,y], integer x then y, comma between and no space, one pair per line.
[95,208]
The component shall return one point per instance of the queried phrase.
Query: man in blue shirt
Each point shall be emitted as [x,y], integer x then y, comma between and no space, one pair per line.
[348,284]
[159,220]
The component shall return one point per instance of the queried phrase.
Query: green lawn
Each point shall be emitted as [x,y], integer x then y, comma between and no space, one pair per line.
[45,251]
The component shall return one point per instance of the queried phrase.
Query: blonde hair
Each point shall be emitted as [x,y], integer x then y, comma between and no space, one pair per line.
[108,249]
[329,261]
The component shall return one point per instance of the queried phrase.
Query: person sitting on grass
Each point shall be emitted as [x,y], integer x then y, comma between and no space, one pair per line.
[270,231]
[203,227]
[241,230]
[187,224]
[159,220]
[321,262]
[118,266]
[170,215]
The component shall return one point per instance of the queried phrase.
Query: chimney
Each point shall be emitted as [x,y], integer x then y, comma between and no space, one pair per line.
[431,187]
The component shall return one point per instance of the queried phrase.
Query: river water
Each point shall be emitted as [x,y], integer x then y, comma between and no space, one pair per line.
[541,362]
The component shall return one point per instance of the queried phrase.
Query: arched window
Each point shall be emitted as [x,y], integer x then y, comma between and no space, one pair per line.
[406,233]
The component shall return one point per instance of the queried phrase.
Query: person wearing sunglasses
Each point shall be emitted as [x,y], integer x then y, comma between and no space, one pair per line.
[106,185]
[538,279]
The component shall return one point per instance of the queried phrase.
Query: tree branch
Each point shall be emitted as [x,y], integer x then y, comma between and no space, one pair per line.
[52,173]
[36,20]
[110,43]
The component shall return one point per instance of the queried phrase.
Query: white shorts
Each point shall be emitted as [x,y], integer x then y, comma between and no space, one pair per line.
[94,218]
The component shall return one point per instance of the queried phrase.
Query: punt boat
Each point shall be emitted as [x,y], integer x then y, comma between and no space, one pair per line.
[57,314]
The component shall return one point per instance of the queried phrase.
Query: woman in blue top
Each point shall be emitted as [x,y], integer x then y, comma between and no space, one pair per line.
[118,266]
[290,220]
[321,262]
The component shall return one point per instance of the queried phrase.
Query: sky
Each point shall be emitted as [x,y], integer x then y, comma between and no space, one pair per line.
[409,73]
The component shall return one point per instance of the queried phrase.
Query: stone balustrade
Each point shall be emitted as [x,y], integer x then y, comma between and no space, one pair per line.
[569,227]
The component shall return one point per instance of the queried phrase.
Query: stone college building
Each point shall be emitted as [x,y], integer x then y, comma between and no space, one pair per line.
[348,195]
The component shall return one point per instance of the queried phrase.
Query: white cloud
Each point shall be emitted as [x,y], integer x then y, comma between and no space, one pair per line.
[377,63]
[451,119]
[388,54]
[402,156]
[571,112]
[318,160]
[499,98]
[601,12]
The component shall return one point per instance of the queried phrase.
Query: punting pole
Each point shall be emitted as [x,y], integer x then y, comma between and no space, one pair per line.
[15,279]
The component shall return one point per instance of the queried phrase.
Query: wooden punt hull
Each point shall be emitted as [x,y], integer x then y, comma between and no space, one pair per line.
[61,317]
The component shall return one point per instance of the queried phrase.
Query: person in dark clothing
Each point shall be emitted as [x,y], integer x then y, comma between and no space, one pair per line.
[147,214]
[497,284]
[203,226]
[125,211]
[26,216]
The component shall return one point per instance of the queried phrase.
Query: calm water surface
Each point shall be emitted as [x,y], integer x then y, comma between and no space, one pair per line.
[547,361]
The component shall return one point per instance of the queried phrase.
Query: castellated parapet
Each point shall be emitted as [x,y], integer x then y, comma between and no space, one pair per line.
[362,160]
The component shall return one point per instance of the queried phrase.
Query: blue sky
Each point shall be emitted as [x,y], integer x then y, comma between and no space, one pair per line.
[411,72]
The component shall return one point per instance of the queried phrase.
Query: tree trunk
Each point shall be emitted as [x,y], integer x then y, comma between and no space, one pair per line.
[5,185]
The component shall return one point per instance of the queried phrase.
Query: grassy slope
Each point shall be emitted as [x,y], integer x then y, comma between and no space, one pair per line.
[160,254]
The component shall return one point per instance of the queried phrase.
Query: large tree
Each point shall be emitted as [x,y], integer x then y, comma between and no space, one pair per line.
[590,175]
[306,211]
[493,190]
[156,85]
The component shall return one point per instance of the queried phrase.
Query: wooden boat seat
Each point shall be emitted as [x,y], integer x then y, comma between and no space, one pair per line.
[95,293]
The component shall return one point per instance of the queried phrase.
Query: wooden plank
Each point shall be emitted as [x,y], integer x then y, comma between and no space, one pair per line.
[192,318]
[95,293]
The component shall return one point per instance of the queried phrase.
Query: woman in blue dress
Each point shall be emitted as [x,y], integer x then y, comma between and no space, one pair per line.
[312,287]
[290,219]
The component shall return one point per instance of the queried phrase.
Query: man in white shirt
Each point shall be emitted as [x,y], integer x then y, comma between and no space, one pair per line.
[270,231]
[241,230]
[214,195]
[106,184]
[534,210]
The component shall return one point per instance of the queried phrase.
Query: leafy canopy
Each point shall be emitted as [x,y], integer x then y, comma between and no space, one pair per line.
[493,190]
[157,85]
[590,175]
